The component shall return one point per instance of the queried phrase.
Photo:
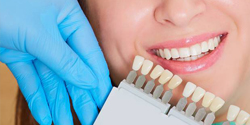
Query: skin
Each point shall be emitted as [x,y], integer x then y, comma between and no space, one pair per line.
[126,28]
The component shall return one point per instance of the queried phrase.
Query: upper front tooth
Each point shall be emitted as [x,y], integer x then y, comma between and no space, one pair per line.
[232,113]
[161,53]
[184,52]
[137,63]
[211,44]
[156,72]
[242,118]
[146,67]
[198,94]
[167,54]
[207,100]
[174,53]
[217,104]
[204,46]
[195,50]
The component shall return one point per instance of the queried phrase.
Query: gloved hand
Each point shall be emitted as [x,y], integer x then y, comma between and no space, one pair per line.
[52,51]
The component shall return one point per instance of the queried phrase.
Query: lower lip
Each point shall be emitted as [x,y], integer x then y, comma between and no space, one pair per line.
[180,67]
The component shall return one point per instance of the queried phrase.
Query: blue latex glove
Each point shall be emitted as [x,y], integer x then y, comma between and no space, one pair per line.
[52,51]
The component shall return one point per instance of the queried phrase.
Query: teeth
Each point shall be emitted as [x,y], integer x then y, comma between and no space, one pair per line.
[208,99]
[217,104]
[194,52]
[194,57]
[184,52]
[158,53]
[211,44]
[198,94]
[174,53]
[233,111]
[187,58]
[189,89]
[167,54]
[146,67]
[162,53]
[216,42]
[204,46]
[195,49]
[242,118]
[174,82]
[156,72]
[137,63]
[165,76]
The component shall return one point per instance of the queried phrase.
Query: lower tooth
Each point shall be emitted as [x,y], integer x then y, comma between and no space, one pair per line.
[187,59]
[201,55]
[194,57]
[181,59]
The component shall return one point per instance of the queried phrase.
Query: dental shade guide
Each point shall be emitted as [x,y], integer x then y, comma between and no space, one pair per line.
[136,66]
[214,107]
[198,94]
[188,90]
[130,104]
[206,102]
[232,113]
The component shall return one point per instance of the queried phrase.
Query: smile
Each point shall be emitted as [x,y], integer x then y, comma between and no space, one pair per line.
[189,55]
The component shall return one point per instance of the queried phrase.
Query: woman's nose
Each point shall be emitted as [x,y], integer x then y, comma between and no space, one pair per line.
[179,12]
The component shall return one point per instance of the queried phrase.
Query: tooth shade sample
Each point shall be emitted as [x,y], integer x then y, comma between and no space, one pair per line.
[174,53]
[156,72]
[184,52]
[217,104]
[174,82]
[204,46]
[165,76]
[233,111]
[198,94]
[208,99]
[189,89]
[161,53]
[146,67]
[167,54]
[195,50]
[137,63]
[211,44]
[242,118]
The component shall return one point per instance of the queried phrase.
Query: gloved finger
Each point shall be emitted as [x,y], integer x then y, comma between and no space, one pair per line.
[83,104]
[81,38]
[12,56]
[43,41]
[29,84]
[56,94]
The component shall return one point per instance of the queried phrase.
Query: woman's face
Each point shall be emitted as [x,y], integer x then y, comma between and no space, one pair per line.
[126,28]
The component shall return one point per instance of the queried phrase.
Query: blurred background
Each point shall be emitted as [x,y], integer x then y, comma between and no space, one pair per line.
[8,96]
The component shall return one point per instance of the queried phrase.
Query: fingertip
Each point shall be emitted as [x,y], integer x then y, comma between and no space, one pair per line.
[46,121]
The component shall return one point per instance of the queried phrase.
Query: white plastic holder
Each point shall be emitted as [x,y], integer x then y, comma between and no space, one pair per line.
[128,105]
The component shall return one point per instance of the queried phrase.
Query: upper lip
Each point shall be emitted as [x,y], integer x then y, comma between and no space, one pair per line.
[186,42]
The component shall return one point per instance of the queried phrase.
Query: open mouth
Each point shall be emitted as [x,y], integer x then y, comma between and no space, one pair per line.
[190,55]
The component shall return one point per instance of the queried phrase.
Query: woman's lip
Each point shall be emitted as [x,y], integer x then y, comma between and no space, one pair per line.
[186,42]
[200,64]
